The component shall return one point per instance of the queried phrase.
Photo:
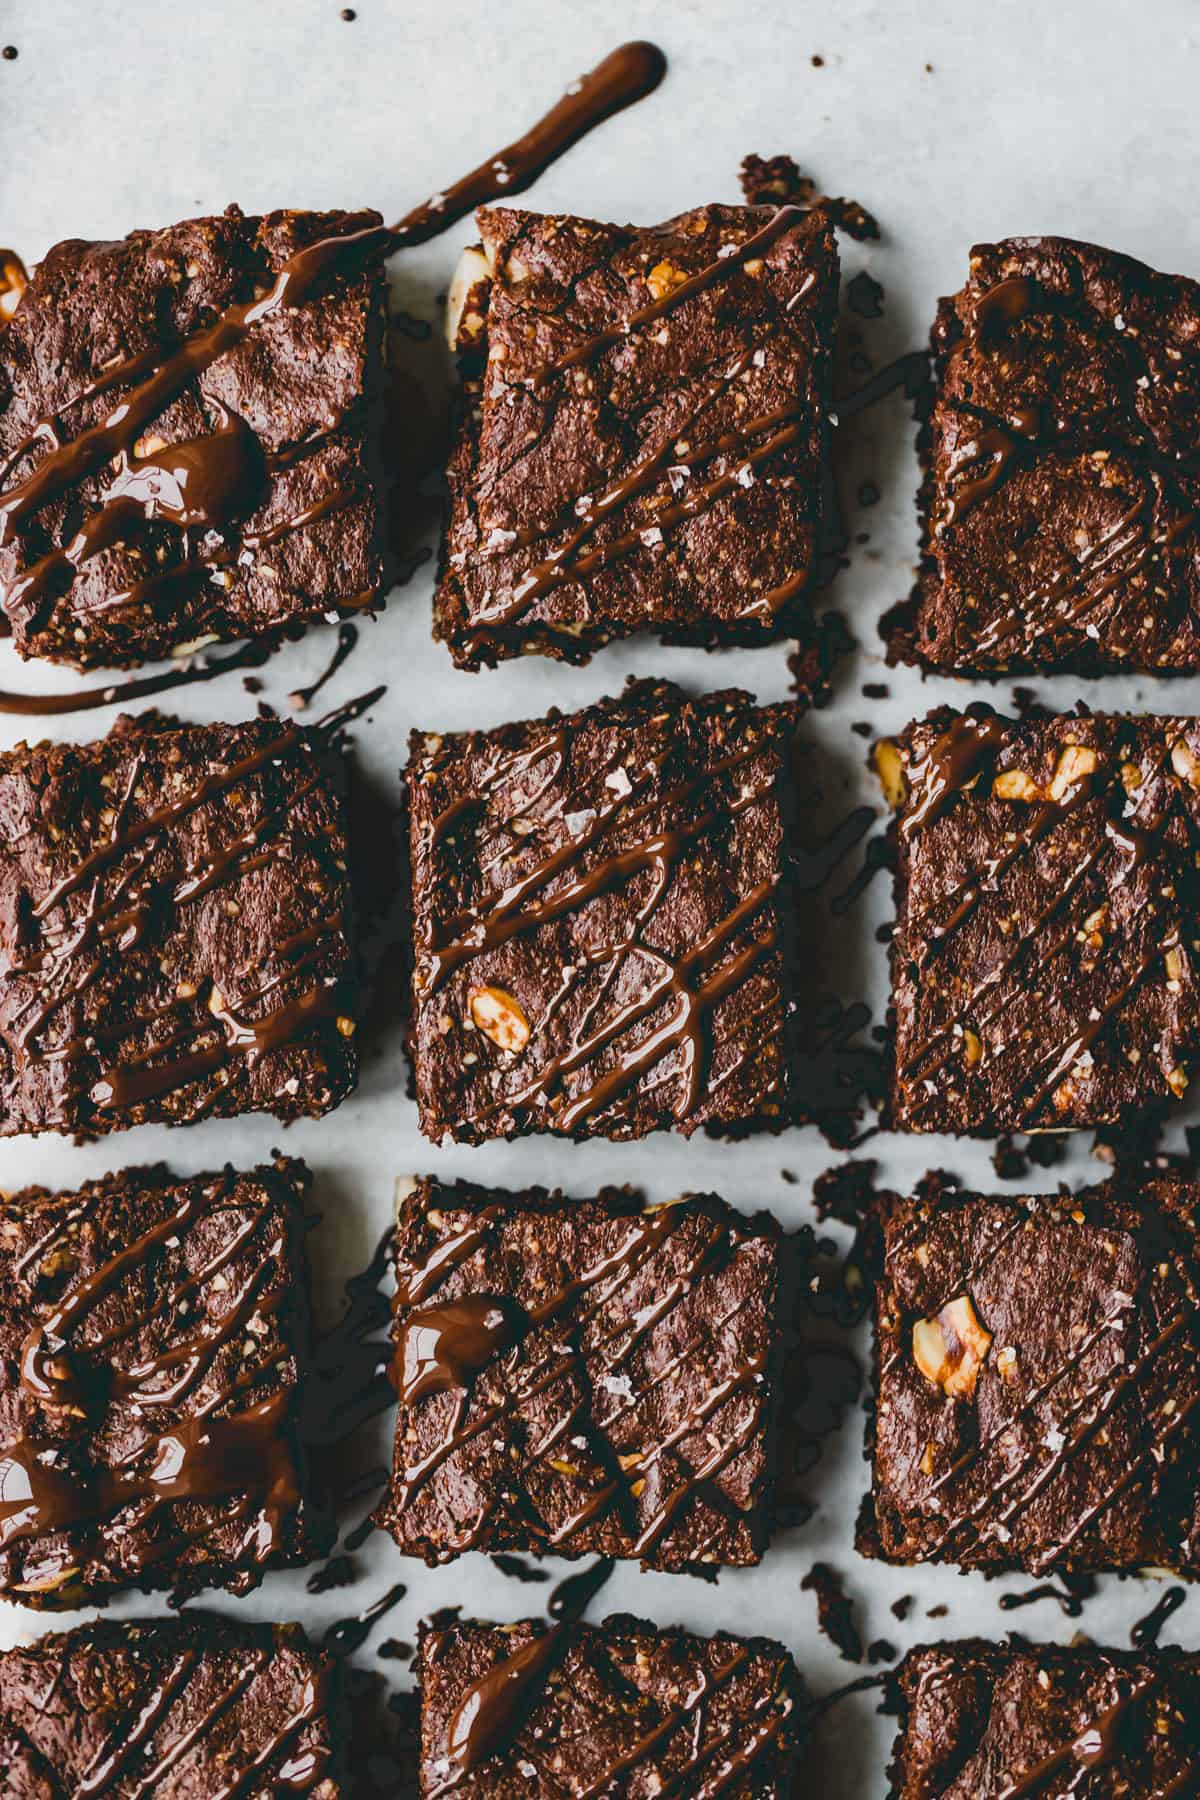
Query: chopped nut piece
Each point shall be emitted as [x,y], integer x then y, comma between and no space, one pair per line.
[949,1350]
[889,766]
[1075,764]
[1184,763]
[1015,784]
[500,1017]
[663,278]
[972,1048]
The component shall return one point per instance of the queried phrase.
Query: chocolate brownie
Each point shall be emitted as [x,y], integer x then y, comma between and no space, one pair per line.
[174,919]
[1037,1384]
[986,1721]
[153,1333]
[601,919]
[197,1708]
[1046,899]
[645,448]
[188,438]
[583,1376]
[1059,506]
[619,1707]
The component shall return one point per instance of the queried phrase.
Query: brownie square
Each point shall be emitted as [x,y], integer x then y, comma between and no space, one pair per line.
[1002,1722]
[573,1710]
[581,1376]
[195,1708]
[1061,477]
[174,928]
[1037,1386]
[601,920]
[153,1333]
[249,500]
[646,446]
[1043,969]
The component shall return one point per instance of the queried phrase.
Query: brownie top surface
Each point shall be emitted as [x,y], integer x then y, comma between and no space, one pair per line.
[1042,963]
[644,448]
[1061,463]
[151,1337]
[620,1707]
[233,496]
[582,1375]
[174,919]
[597,903]
[983,1721]
[182,1708]
[1038,1395]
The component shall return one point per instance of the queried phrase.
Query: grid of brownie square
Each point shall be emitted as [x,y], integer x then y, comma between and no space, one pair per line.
[153,1333]
[624,1406]
[1043,961]
[1038,1405]
[1012,1721]
[1060,489]
[620,1706]
[175,911]
[600,919]
[193,1707]
[646,447]
[279,519]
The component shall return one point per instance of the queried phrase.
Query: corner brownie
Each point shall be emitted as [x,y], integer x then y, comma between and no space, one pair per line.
[583,1376]
[1037,1381]
[197,1708]
[172,471]
[576,1709]
[1059,506]
[174,928]
[645,448]
[153,1334]
[601,920]
[986,1721]
[1046,902]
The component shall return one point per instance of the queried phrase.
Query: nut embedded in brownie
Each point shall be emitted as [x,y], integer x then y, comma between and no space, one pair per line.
[198,1707]
[153,1332]
[575,1708]
[188,437]
[646,446]
[174,928]
[1043,961]
[583,1377]
[1024,1721]
[1059,505]
[1038,1400]
[602,933]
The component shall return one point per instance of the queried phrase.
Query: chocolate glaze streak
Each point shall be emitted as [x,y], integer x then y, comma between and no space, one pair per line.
[1094,1746]
[347,639]
[120,693]
[1144,1635]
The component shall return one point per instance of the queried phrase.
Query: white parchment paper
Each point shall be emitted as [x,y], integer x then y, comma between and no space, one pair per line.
[953,124]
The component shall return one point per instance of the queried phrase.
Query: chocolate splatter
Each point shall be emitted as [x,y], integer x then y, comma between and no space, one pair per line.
[864,296]
[1144,1635]
[572,1597]
[1070,1596]
[338,1572]
[882,1650]
[347,638]
[518,1568]
[10,53]
[348,1635]
[835,1613]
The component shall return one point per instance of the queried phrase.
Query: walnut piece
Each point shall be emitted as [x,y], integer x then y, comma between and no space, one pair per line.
[500,1017]
[950,1349]
[889,766]
[466,303]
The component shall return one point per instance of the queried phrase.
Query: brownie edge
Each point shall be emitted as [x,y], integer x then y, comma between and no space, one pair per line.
[982,1721]
[197,1706]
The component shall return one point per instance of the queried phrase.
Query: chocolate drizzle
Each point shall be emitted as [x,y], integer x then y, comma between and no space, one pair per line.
[1096,1745]
[442,1350]
[222,1447]
[681,992]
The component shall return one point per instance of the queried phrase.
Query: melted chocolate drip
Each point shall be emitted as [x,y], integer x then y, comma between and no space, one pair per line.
[1071,1595]
[1144,1635]
[349,1635]
[346,640]
[573,1595]
[442,1348]
[120,693]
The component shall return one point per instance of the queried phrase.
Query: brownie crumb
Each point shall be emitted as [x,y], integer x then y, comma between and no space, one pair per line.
[10,53]
[937,1612]
[835,1613]
[864,296]
[882,1651]
[902,1607]
[818,62]
[775,181]
[875,690]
